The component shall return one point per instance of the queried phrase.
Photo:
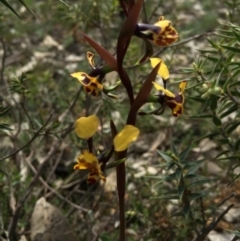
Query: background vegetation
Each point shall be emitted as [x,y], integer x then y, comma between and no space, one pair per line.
[182,173]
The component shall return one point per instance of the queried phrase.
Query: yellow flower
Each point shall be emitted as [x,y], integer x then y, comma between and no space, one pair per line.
[160,33]
[86,127]
[87,160]
[167,34]
[125,137]
[163,69]
[91,82]
[173,101]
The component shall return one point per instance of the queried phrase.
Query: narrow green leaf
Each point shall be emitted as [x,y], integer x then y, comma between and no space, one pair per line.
[173,197]
[181,189]
[115,163]
[178,174]
[164,156]
[230,48]
[216,120]
[185,153]
[213,44]
[212,59]
[232,127]
[204,116]
[5,127]
[208,51]
[173,148]
[186,210]
[25,5]
[196,195]
[10,7]
[229,111]
[237,35]
[228,158]
[200,182]
[214,102]
[235,232]
[223,140]
[193,176]
[223,153]
[64,3]
[196,98]
[237,145]
[193,169]
[4,112]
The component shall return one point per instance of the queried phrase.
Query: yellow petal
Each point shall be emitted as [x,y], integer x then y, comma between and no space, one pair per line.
[79,75]
[182,86]
[161,88]
[90,59]
[163,69]
[124,138]
[163,24]
[90,158]
[86,127]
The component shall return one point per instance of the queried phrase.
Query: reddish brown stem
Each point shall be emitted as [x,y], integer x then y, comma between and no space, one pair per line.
[121,181]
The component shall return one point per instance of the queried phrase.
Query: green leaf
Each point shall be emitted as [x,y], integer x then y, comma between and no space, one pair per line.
[237,145]
[204,116]
[217,121]
[170,177]
[201,182]
[64,3]
[196,98]
[237,35]
[173,197]
[230,48]
[213,44]
[10,7]
[178,174]
[212,59]
[223,140]
[193,176]
[186,210]
[115,163]
[229,111]
[208,51]
[214,102]
[173,148]
[223,153]
[235,232]
[24,4]
[193,169]
[185,153]
[231,127]
[164,156]
[5,127]
[4,112]
[193,196]
[181,189]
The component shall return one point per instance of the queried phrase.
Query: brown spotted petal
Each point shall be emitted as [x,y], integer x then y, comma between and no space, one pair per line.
[167,34]
[90,84]
[90,59]
[176,103]
[91,89]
